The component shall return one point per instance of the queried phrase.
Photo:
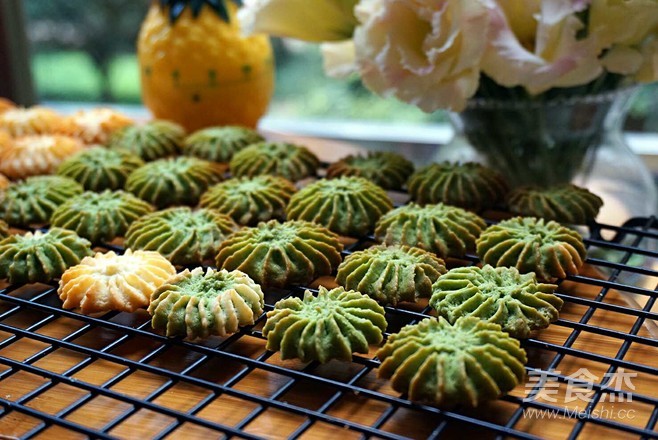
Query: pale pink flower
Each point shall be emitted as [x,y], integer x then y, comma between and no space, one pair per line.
[558,58]
[424,52]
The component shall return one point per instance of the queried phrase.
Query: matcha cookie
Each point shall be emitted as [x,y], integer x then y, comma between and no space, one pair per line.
[391,274]
[182,235]
[564,203]
[219,144]
[100,217]
[533,245]
[40,257]
[98,168]
[517,302]
[442,229]
[469,185]
[197,304]
[332,325]
[464,364]
[151,141]
[388,170]
[345,205]
[280,254]
[276,158]
[249,200]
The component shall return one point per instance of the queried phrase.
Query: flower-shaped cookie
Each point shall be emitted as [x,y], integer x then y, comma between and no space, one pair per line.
[532,245]
[36,155]
[293,162]
[517,302]
[447,365]
[279,254]
[94,126]
[198,304]
[182,235]
[180,180]
[153,140]
[332,325]
[391,274]
[249,200]
[98,168]
[4,229]
[100,216]
[563,203]
[219,144]
[345,205]
[469,185]
[388,170]
[442,229]
[28,121]
[40,257]
[34,199]
[114,282]
[4,182]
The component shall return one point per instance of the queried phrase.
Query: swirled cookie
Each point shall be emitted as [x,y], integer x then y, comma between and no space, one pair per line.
[179,180]
[388,170]
[532,245]
[94,126]
[100,216]
[345,205]
[40,257]
[28,121]
[332,325]
[469,185]
[36,155]
[34,199]
[447,365]
[291,161]
[563,203]
[4,182]
[219,144]
[5,140]
[442,229]
[114,282]
[183,236]
[518,303]
[279,254]
[197,304]
[391,274]
[98,168]
[249,200]
[151,141]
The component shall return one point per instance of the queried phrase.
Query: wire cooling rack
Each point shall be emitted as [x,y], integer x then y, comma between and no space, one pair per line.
[66,375]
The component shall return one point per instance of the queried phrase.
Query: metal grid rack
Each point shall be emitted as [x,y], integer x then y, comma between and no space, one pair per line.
[62,373]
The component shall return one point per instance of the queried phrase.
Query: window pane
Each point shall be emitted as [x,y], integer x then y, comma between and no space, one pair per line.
[84,50]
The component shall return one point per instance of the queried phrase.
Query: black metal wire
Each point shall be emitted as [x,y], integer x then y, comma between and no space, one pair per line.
[627,244]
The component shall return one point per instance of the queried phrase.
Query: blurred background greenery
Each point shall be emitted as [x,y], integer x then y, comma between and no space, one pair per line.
[84,51]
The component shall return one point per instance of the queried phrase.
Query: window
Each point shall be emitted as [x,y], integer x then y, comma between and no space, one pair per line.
[84,51]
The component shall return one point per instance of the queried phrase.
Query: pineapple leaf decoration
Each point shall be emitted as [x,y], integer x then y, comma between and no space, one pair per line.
[176,7]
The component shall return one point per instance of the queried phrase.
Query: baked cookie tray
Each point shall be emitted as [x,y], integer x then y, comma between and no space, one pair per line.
[66,375]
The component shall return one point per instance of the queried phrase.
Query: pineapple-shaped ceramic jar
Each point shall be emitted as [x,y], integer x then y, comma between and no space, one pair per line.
[198,70]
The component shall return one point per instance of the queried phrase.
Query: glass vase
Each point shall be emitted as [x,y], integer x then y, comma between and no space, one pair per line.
[542,143]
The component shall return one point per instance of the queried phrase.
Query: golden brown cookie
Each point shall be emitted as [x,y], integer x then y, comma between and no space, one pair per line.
[94,126]
[37,155]
[114,282]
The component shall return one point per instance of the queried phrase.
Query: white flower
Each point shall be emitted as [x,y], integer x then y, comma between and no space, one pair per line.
[424,52]
[339,58]
[310,20]
[626,22]
[558,58]
[623,60]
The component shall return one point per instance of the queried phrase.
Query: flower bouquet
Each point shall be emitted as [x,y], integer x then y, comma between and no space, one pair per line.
[532,82]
